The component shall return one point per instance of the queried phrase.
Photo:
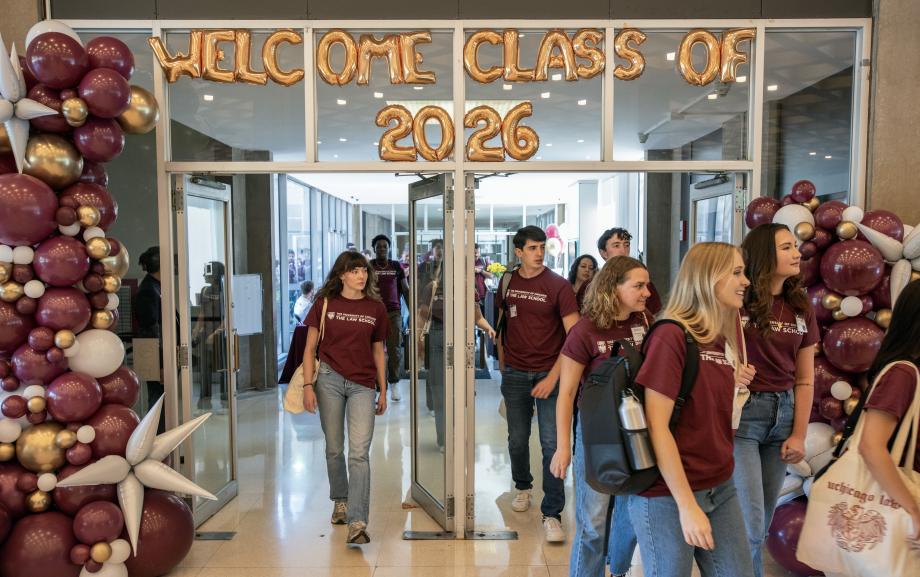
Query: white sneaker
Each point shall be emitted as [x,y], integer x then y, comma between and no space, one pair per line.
[394,393]
[552,530]
[521,501]
[357,533]
[339,513]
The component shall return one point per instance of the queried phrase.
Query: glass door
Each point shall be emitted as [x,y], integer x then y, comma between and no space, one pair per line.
[208,340]
[718,202]
[431,356]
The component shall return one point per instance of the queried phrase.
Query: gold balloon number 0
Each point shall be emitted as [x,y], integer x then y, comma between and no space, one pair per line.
[519,142]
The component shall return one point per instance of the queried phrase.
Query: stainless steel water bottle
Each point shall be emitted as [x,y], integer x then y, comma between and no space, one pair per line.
[638,443]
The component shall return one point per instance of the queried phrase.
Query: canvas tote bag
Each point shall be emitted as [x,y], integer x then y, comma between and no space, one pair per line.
[293,396]
[851,525]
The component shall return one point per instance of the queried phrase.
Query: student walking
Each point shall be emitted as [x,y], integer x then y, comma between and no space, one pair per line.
[618,242]
[391,282]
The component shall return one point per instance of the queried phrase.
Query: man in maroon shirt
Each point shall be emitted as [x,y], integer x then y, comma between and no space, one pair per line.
[616,242]
[391,281]
[539,308]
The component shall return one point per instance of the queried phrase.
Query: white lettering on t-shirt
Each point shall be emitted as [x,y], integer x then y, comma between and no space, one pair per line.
[352,318]
[717,357]
[386,272]
[527,295]
[788,328]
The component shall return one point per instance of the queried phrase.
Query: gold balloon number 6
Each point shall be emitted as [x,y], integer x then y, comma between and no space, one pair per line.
[519,142]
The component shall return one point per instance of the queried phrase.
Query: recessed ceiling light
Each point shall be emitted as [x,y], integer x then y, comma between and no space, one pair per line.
[341,101]
[539,158]
[556,76]
[343,140]
[521,35]
[587,157]
[378,95]
[418,87]
[582,102]
[507,87]
[544,95]
[319,142]
[549,144]
[828,157]
[376,144]
[712,96]
[580,140]
[335,156]
[741,79]
[812,153]
[670,56]
[207,97]
[773,87]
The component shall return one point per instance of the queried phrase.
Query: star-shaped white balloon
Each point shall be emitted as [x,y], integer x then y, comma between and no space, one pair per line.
[142,466]
[16,110]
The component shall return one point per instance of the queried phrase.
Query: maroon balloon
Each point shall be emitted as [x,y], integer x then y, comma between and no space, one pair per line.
[884,221]
[6,523]
[23,273]
[100,139]
[72,499]
[808,249]
[88,194]
[32,368]
[14,407]
[26,305]
[56,59]
[114,246]
[14,328]
[93,566]
[9,384]
[114,425]
[79,454]
[28,482]
[166,535]
[851,344]
[30,79]
[106,92]
[787,200]
[37,418]
[41,339]
[73,397]
[54,355]
[79,554]
[12,498]
[783,537]
[94,173]
[65,216]
[5,368]
[852,267]
[61,261]
[830,408]
[829,214]
[826,375]
[760,211]
[51,98]
[93,283]
[99,300]
[110,52]
[868,303]
[27,207]
[803,191]
[121,387]
[98,521]
[810,269]
[881,296]
[63,308]
[40,545]
[7,163]
[822,238]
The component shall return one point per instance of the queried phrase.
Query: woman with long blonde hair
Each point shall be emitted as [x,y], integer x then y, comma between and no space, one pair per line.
[692,510]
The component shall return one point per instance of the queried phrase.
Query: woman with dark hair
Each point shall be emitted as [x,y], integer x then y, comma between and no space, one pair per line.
[209,336]
[352,373]
[580,274]
[149,315]
[781,331]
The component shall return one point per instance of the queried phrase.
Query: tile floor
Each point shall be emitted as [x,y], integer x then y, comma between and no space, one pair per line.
[281,516]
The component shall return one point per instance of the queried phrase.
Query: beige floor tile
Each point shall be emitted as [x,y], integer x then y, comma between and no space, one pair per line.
[287,572]
[201,553]
[467,571]
[184,572]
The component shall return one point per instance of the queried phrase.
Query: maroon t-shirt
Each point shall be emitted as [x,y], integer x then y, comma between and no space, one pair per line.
[389,277]
[535,308]
[774,356]
[893,394]
[704,432]
[590,346]
[352,326]
[653,304]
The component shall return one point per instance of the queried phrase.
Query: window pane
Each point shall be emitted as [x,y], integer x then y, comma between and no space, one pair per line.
[660,116]
[808,108]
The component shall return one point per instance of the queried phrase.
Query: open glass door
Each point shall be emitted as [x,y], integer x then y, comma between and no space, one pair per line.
[207,338]
[718,203]
[431,364]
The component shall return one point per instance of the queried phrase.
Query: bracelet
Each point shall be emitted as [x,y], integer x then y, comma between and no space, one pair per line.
[308,384]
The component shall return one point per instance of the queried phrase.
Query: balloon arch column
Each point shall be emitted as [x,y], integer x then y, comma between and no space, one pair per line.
[83,487]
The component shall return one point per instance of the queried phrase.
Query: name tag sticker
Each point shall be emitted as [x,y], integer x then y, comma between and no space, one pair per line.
[512,311]
[638,334]
[800,324]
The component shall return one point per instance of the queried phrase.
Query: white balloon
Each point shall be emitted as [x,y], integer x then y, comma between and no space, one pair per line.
[93,232]
[841,390]
[113,302]
[86,434]
[907,230]
[915,264]
[6,253]
[801,469]
[107,470]
[34,289]
[101,353]
[900,277]
[131,499]
[34,391]
[818,439]
[47,482]
[911,243]
[793,214]
[51,26]
[6,110]
[72,350]
[121,550]
[821,460]
[9,430]
[23,255]
[72,230]
[853,214]
[890,248]
[851,306]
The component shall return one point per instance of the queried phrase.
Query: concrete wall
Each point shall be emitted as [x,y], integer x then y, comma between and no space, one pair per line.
[18,17]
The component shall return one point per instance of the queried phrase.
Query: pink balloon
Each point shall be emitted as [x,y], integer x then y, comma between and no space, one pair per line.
[166,535]
[121,387]
[40,545]
[98,521]
[61,261]
[851,344]
[100,139]
[783,537]
[51,98]
[114,425]
[88,194]
[14,328]
[110,52]
[63,308]
[12,497]
[106,92]
[803,191]
[33,368]
[73,397]
[852,267]
[760,211]
[829,214]
[56,59]
[94,173]
[884,221]
[27,207]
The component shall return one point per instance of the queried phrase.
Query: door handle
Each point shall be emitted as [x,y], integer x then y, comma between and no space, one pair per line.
[236,351]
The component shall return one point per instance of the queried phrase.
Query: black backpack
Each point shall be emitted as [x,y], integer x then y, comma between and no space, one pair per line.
[607,467]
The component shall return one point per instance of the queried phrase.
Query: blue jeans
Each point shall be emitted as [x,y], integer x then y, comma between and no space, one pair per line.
[435,378]
[664,551]
[338,397]
[519,405]
[591,526]
[766,423]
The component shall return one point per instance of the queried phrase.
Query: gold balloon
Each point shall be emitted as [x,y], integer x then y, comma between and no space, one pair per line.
[521,142]
[839,315]
[476,149]
[411,59]
[242,60]
[6,270]
[511,55]
[270,58]
[66,439]
[100,552]
[831,301]
[98,247]
[142,114]
[836,438]
[53,160]
[180,64]
[804,231]
[587,45]
[36,404]
[685,57]
[818,348]
[388,147]
[730,57]
[914,275]
[75,111]
[10,291]
[812,204]
[213,55]
[883,318]
[7,452]
[440,116]
[470,56]
[102,319]
[555,40]
[111,283]
[846,230]
[324,66]
[849,405]
[622,48]
[369,48]
[38,502]
[118,264]
[64,339]
[37,450]
[4,140]
[88,216]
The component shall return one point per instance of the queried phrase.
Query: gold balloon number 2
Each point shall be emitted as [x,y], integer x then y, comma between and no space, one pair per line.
[519,142]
